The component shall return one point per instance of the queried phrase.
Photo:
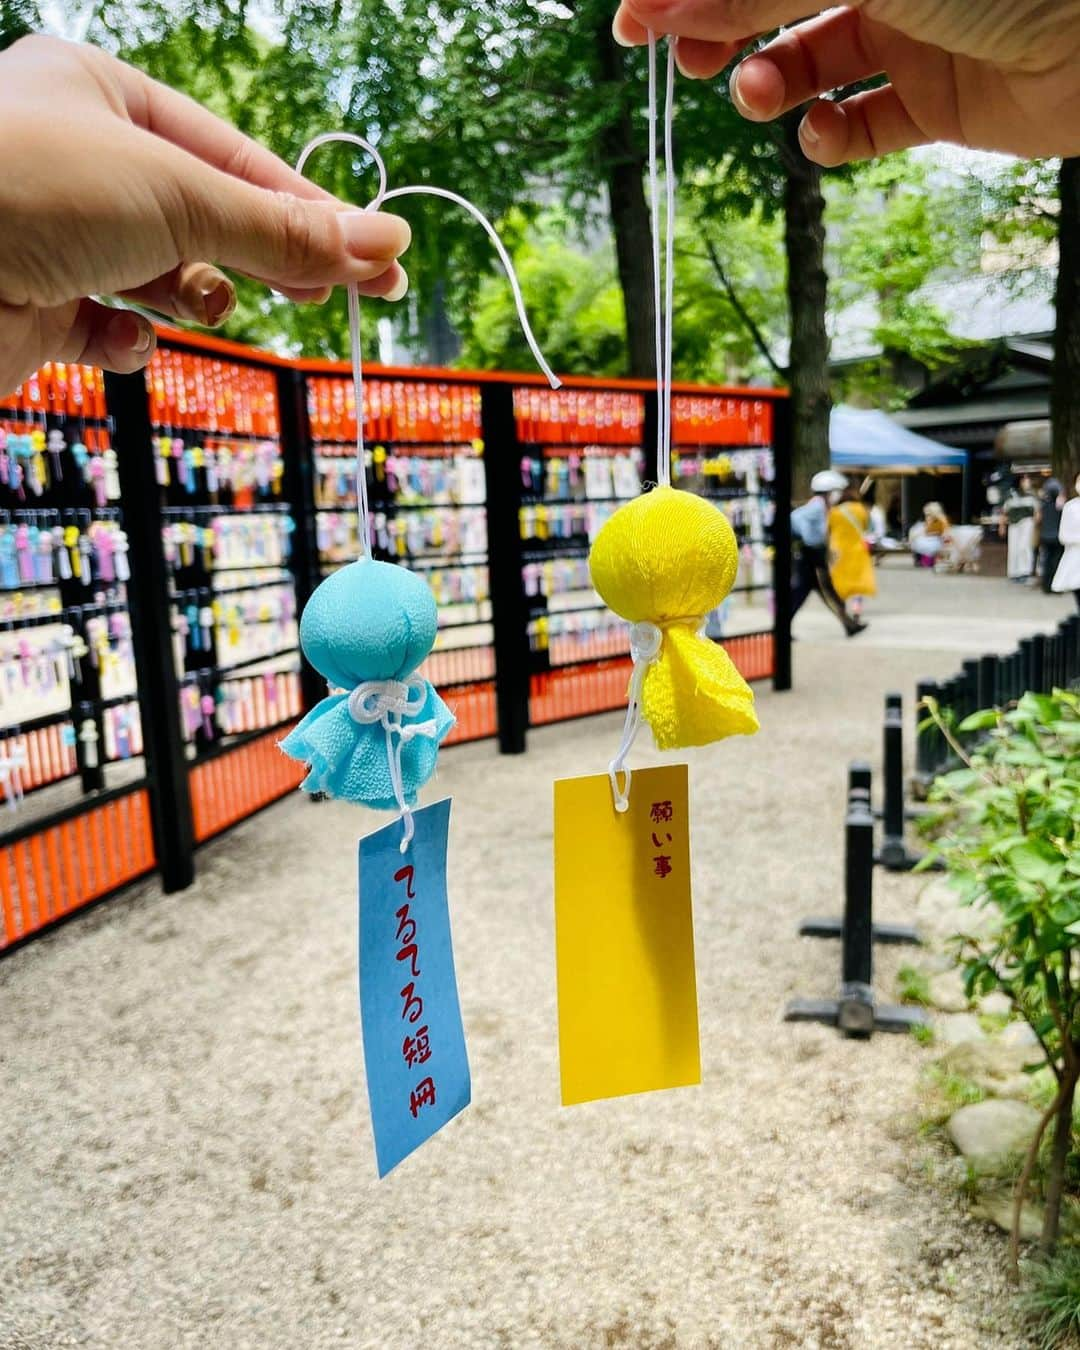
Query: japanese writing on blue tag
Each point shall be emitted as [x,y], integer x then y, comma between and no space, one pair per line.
[414,1043]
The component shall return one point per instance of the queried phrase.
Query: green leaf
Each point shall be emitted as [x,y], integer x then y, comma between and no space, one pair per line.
[979,721]
[1036,862]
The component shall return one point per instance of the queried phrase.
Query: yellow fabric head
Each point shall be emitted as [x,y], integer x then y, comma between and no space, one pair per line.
[668,558]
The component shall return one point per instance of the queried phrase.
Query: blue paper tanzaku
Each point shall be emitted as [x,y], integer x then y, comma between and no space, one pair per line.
[414,1043]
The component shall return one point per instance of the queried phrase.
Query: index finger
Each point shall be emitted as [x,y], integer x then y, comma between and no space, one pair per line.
[709,20]
[187,124]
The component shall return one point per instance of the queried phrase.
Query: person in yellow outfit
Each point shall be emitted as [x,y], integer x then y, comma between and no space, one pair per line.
[851,565]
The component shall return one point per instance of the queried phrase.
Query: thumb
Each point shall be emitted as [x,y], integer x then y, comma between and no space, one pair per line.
[297,242]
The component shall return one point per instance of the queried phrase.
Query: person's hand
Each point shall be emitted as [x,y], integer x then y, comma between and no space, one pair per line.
[995,74]
[112,184]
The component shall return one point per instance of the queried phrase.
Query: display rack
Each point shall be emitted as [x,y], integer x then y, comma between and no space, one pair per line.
[428,511]
[226,534]
[149,658]
[585,452]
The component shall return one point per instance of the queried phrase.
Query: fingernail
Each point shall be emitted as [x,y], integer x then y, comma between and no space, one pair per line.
[400,288]
[373,234]
[219,301]
[144,335]
[807,135]
[617,33]
[736,95]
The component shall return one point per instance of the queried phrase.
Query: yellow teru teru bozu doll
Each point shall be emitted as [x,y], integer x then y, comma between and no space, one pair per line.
[663,562]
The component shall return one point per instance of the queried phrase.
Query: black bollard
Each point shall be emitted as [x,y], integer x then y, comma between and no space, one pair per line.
[925,737]
[894,854]
[1037,683]
[988,666]
[855,1012]
[1072,648]
[859,783]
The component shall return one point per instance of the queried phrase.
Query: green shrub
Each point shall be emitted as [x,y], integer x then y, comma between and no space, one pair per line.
[1007,827]
[1052,1298]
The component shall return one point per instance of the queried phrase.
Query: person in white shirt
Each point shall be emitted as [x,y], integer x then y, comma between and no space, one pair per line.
[1067,576]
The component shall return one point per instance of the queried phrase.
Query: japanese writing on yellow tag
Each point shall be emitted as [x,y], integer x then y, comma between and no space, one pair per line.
[624,937]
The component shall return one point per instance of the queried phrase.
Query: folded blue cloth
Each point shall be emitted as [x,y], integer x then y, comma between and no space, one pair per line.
[366,629]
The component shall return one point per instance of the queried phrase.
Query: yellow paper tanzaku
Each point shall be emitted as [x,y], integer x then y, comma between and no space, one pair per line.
[668,558]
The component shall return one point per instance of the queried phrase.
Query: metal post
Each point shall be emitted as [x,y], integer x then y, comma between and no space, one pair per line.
[855,1012]
[1038,664]
[509,614]
[969,695]
[924,739]
[299,491]
[782,465]
[859,780]
[1026,662]
[148,601]
[1072,648]
[893,850]
[987,682]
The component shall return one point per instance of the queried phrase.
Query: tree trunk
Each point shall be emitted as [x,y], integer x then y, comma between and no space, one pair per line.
[630,221]
[808,363]
[1059,1155]
[1065,384]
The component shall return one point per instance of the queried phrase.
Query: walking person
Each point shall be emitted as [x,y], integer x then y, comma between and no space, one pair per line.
[851,563]
[1067,576]
[810,527]
[1018,526]
[1051,500]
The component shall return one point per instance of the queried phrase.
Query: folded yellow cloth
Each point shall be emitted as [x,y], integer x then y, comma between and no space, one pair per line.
[668,558]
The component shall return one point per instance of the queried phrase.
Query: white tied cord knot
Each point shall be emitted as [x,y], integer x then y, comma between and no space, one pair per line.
[387,702]
[646,639]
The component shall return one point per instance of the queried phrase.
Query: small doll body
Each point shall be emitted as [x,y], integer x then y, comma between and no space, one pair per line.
[376,738]
[662,562]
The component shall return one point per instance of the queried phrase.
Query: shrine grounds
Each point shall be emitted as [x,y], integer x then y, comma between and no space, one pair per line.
[185,1155]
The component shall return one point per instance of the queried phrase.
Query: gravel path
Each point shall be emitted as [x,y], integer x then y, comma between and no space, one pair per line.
[184,1149]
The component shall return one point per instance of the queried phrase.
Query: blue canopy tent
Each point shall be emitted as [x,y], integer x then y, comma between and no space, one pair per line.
[870,442]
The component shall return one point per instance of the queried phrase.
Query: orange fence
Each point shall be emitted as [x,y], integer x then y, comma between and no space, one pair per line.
[231,786]
[67,865]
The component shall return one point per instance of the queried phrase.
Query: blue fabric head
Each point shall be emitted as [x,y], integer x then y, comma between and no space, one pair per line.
[370,621]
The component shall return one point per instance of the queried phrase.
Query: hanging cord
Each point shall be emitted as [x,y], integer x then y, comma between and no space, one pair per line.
[645,643]
[646,638]
[382,196]
[388,701]
[663,269]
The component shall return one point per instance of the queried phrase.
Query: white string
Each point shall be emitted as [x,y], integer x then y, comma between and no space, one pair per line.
[664,469]
[353,302]
[387,702]
[645,643]
[658,298]
[353,295]
[646,639]
[663,277]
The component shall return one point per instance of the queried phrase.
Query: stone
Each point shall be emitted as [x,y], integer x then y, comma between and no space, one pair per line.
[1019,1034]
[995,1068]
[947,992]
[988,1134]
[958,1029]
[996,1004]
[996,1207]
[942,916]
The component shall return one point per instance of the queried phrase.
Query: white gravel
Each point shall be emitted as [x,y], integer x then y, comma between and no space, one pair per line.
[185,1155]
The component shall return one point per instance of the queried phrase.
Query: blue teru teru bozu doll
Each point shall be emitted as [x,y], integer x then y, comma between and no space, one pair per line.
[375,739]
